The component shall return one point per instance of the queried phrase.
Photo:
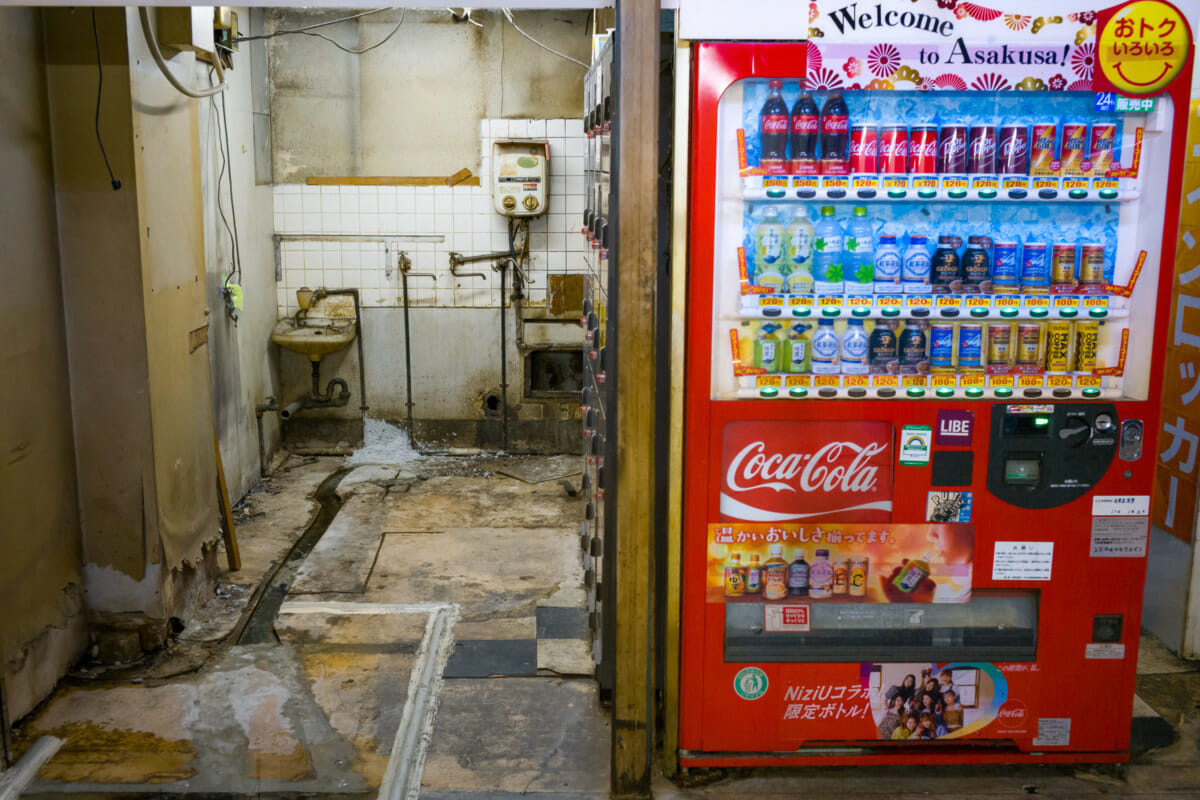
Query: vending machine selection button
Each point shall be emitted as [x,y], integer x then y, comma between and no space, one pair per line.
[771,311]
[987,194]
[768,391]
[886,391]
[831,311]
[806,194]
[957,194]
[1062,393]
[798,391]
[1047,194]
[890,311]
[1091,391]
[1009,312]
[857,391]
[1004,391]
[1097,313]
[945,391]
[979,312]
[836,194]
[827,391]
[801,311]
[1039,311]
[915,391]
[920,312]
[1032,392]
[861,311]
[776,192]
[1018,194]
[948,312]
[974,392]
[1108,194]
[927,194]
[1068,312]
[1078,194]
[867,194]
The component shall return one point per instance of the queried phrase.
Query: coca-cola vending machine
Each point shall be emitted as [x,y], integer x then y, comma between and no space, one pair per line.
[923,380]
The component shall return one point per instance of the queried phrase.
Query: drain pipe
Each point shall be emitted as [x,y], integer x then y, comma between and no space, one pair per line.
[502,266]
[405,272]
[259,410]
[362,363]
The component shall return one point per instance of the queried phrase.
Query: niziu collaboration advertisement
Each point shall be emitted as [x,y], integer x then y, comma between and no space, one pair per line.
[797,565]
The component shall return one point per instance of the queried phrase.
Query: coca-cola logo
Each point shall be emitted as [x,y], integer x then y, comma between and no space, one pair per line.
[835,124]
[774,124]
[804,124]
[898,148]
[926,149]
[780,471]
[867,148]
[1012,715]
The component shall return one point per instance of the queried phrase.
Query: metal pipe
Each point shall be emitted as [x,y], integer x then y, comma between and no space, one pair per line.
[458,259]
[259,410]
[405,271]
[503,267]
[362,363]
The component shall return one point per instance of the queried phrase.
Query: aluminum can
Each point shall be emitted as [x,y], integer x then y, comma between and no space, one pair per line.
[1006,269]
[976,264]
[952,149]
[1014,150]
[981,156]
[1101,147]
[1062,268]
[923,150]
[1058,346]
[970,347]
[1087,334]
[1029,343]
[1091,268]
[999,343]
[864,149]
[1043,150]
[941,347]
[1035,269]
[913,343]
[893,150]
[1074,147]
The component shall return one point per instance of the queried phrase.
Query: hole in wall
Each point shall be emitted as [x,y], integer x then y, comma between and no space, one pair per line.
[554,373]
[491,404]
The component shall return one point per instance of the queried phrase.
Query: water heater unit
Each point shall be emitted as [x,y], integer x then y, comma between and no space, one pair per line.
[520,177]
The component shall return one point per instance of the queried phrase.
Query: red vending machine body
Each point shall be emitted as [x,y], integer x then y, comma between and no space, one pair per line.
[916,510]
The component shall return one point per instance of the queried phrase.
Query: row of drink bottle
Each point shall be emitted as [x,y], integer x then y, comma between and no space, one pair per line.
[799,257]
[791,139]
[924,347]
[779,578]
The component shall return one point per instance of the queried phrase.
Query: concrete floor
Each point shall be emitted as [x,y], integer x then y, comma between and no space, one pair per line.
[435,640]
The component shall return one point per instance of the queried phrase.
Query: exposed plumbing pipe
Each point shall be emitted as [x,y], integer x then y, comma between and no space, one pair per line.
[156,54]
[362,363]
[259,409]
[502,266]
[405,271]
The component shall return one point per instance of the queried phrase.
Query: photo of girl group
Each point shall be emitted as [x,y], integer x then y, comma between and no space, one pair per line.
[913,702]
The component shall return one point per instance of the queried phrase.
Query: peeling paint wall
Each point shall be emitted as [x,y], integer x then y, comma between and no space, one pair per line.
[412,106]
[132,264]
[242,358]
[42,629]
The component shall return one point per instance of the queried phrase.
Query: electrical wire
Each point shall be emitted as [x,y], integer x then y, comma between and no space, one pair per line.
[215,128]
[508,16]
[156,54]
[310,27]
[116,184]
[237,249]
[359,52]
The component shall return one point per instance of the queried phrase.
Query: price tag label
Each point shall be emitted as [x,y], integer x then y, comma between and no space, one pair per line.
[979,301]
[865,182]
[1104,183]
[941,381]
[949,301]
[889,301]
[919,301]
[830,301]
[1006,301]
[797,380]
[805,182]
[1058,381]
[770,300]
[955,183]
[1029,381]
[1066,301]
[860,301]
[915,380]
[1075,183]
[1037,301]
[1088,381]
[1096,301]
[769,380]
[920,182]
[885,380]
[985,182]
[896,182]
[1015,183]
[826,380]
[971,380]
[1000,380]
[1045,183]
[855,380]
[835,182]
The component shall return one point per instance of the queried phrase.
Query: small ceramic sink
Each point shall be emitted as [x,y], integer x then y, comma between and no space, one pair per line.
[315,340]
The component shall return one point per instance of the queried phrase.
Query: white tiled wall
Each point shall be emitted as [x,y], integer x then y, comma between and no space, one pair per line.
[463,215]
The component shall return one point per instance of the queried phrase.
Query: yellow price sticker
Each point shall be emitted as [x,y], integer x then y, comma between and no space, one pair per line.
[1143,47]
[1029,381]
[1000,380]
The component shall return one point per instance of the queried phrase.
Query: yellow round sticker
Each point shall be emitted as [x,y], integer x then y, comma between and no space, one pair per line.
[1143,47]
